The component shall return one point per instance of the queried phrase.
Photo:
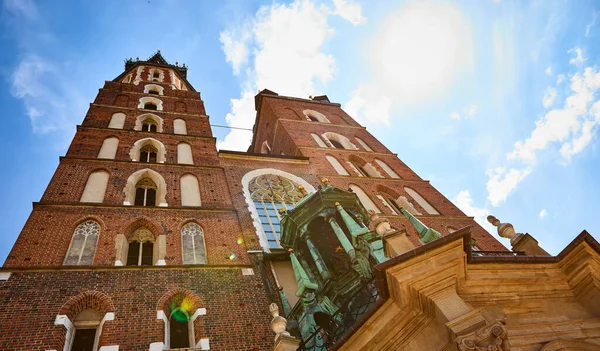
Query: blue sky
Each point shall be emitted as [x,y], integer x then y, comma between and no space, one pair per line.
[495,102]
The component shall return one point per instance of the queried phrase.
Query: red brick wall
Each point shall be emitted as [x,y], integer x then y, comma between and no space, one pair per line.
[237,315]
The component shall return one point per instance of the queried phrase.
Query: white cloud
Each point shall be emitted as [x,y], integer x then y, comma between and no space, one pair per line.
[577,56]
[560,78]
[467,112]
[549,97]
[502,182]
[275,64]
[571,125]
[50,103]
[236,51]
[590,25]
[349,11]
[543,213]
[549,71]
[464,202]
[367,106]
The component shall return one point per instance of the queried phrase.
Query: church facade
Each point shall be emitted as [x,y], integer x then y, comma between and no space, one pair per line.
[318,237]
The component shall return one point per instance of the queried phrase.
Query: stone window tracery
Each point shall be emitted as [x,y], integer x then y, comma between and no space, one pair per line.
[270,193]
[192,241]
[83,244]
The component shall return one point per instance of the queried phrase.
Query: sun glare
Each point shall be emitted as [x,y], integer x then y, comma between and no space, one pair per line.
[421,48]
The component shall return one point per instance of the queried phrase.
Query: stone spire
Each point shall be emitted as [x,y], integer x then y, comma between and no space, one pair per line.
[426,234]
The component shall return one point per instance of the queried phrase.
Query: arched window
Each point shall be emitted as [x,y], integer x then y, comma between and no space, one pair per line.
[363,144]
[148,154]
[270,193]
[145,193]
[153,89]
[131,189]
[86,325]
[108,150]
[150,103]
[179,312]
[389,202]
[149,125]
[357,168]
[83,317]
[179,126]
[148,122]
[184,154]
[192,242]
[421,201]
[362,168]
[339,141]
[148,150]
[365,200]
[190,191]
[83,244]
[336,144]
[179,329]
[315,116]
[95,188]
[141,248]
[337,165]
[318,140]
[117,121]
[387,168]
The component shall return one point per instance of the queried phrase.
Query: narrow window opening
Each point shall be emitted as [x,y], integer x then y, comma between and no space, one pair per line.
[145,193]
[179,330]
[150,106]
[156,75]
[336,144]
[141,248]
[154,92]
[314,119]
[83,339]
[148,154]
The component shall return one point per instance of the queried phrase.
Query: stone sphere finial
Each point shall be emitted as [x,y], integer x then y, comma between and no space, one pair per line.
[505,230]
[278,324]
[274,309]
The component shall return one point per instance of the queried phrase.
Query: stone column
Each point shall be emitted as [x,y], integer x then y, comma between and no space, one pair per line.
[316,255]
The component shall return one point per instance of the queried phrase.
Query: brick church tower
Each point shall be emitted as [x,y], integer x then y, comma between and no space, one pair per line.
[148,238]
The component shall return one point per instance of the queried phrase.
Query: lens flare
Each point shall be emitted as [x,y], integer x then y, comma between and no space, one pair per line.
[240,241]
[232,256]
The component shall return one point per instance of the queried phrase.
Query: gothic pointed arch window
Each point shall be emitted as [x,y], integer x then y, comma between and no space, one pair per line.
[179,334]
[271,193]
[192,242]
[145,193]
[83,244]
[148,153]
[141,248]
[149,125]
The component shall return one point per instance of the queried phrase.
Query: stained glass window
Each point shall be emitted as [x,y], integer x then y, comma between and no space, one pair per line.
[270,193]
[83,244]
[192,240]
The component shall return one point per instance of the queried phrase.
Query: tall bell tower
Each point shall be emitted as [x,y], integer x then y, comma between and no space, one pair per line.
[136,234]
